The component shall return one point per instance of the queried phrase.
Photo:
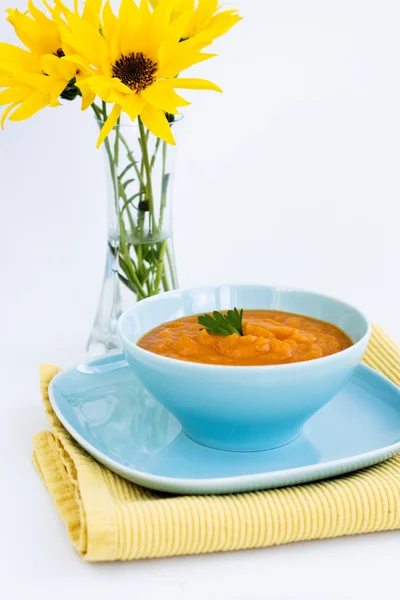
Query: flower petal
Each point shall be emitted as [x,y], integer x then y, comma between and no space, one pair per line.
[6,113]
[17,57]
[220,24]
[58,67]
[162,24]
[144,9]
[49,64]
[156,121]
[58,86]
[59,9]
[31,105]
[206,8]
[67,68]
[128,10]
[132,105]
[85,38]
[99,85]
[40,35]
[183,56]
[110,22]
[161,95]
[108,89]
[91,11]
[120,87]
[109,124]
[82,65]
[192,83]
[87,99]
[13,95]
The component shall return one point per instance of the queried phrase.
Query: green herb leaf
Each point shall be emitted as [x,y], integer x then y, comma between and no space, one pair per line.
[220,324]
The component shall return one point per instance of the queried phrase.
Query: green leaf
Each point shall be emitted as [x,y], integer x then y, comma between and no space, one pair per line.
[220,324]
[124,172]
[126,183]
[122,235]
[128,283]
[70,92]
[164,185]
[129,201]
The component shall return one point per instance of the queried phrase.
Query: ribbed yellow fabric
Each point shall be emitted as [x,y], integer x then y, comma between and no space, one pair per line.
[109,518]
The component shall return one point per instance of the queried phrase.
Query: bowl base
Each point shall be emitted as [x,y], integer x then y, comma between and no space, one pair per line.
[243,446]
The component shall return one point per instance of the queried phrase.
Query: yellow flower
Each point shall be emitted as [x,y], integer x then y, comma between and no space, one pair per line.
[134,59]
[36,31]
[35,77]
[208,21]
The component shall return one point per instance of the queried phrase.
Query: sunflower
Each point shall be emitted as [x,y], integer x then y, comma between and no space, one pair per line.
[208,20]
[134,59]
[37,76]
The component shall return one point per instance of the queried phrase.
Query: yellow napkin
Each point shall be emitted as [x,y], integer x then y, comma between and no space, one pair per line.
[109,518]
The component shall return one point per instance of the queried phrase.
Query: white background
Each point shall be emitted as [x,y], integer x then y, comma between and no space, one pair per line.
[290,177]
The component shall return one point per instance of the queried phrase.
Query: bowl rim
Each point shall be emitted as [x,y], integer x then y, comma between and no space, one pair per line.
[184,364]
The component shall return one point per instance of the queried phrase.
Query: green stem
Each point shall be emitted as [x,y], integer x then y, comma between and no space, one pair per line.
[132,160]
[164,185]
[147,168]
[128,264]
[140,223]
[130,271]
[142,186]
[116,143]
[165,283]
[101,114]
[154,256]
[129,267]
[160,268]
[125,207]
[153,158]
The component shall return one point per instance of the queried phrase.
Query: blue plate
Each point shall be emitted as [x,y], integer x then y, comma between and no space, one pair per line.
[111,415]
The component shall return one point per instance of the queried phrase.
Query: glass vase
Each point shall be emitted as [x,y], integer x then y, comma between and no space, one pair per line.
[140,257]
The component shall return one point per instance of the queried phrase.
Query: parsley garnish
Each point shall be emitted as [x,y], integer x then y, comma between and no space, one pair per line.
[219,324]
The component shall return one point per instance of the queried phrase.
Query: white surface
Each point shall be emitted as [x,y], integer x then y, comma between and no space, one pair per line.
[290,177]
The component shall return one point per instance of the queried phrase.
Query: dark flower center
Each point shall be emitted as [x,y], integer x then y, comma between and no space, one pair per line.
[59,53]
[135,70]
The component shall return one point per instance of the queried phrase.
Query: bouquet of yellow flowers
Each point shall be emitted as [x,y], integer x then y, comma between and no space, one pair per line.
[126,67]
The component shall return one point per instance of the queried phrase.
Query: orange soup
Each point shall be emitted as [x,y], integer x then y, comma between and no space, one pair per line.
[269,337]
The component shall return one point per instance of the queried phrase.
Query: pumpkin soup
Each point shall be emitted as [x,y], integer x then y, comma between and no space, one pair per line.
[269,337]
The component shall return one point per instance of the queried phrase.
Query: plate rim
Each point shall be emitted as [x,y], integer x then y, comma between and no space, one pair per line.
[235,483]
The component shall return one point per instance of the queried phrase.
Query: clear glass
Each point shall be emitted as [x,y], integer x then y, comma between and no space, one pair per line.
[140,258]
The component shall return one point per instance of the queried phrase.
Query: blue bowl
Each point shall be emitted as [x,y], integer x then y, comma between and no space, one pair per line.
[242,408]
